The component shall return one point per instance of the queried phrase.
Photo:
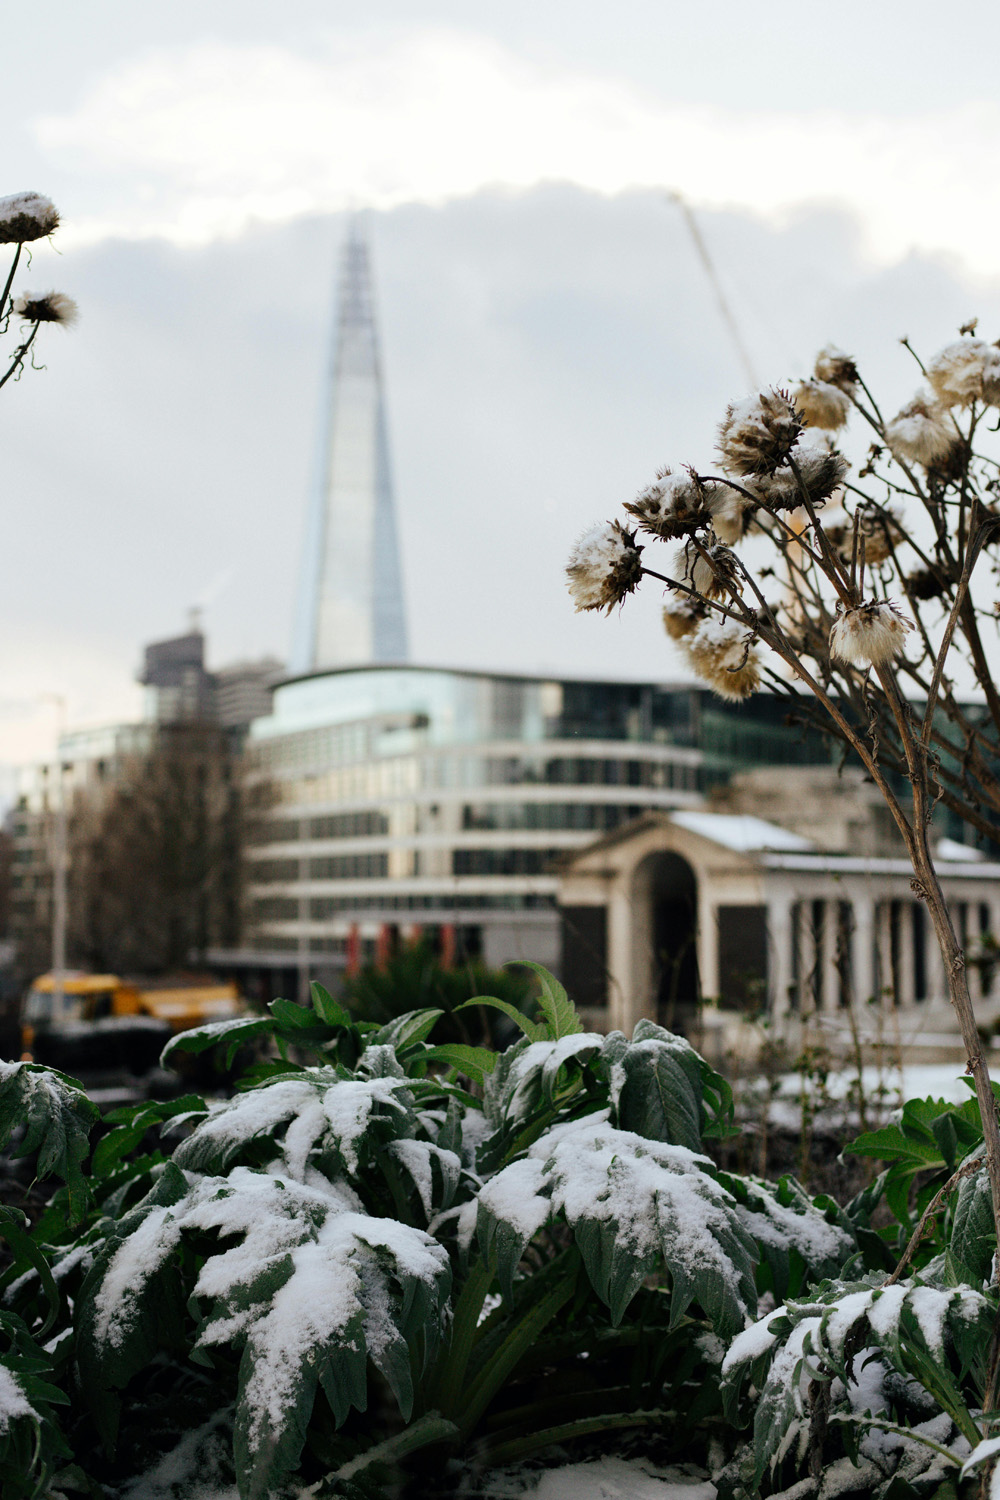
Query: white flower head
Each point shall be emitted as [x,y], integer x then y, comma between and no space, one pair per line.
[822,404]
[756,435]
[721,653]
[26,216]
[870,635]
[673,505]
[604,566]
[924,432]
[48,307]
[834,367]
[966,371]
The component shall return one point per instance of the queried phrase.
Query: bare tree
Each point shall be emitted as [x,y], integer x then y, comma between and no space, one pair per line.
[155,856]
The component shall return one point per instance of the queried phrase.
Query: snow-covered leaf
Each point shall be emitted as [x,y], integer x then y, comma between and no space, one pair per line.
[311,1114]
[914,1325]
[308,1286]
[233,1033]
[794,1235]
[56,1114]
[656,1085]
[634,1206]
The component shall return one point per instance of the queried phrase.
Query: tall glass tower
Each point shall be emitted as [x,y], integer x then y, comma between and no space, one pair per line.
[351,611]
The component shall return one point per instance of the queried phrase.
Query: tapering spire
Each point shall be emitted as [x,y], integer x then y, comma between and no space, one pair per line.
[353,601]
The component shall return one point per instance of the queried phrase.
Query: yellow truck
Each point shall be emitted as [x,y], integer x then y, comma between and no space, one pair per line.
[102,1023]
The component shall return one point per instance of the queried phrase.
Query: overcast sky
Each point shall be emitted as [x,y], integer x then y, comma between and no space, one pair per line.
[549,335]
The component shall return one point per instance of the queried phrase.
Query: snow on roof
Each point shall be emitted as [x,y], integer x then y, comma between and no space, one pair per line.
[950,849]
[740,831]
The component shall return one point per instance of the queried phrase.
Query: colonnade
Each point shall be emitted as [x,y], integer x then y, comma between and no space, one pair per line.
[824,951]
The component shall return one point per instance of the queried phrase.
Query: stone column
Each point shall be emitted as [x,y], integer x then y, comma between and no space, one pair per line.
[829,979]
[807,957]
[863,950]
[779,955]
[883,948]
[622,1010]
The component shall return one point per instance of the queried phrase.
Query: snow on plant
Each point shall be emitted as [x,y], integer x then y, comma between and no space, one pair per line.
[852,589]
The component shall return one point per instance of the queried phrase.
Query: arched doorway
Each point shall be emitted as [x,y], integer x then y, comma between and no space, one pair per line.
[666,896]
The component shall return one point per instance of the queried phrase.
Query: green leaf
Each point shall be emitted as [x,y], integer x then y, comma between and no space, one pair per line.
[26,1253]
[656,1087]
[327,1008]
[973,1236]
[633,1206]
[557,1008]
[533,1030]
[473,1062]
[406,1031]
[234,1033]
[56,1114]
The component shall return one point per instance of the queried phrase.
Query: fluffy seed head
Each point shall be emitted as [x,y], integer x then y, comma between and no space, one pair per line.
[966,371]
[49,307]
[822,469]
[681,615]
[871,635]
[834,367]
[719,652]
[26,216]
[604,566]
[729,511]
[757,434]
[713,572]
[821,404]
[672,506]
[923,432]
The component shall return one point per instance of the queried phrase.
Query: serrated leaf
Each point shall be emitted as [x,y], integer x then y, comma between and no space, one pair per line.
[57,1117]
[633,1205]
[313,1290]
[558,1011]
[973,1234]
[303,1116]
[406,1031]
[656,1088]
[27,1254]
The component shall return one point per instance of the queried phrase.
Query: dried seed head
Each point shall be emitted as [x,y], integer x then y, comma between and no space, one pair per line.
[26,216]
[923,432]
[672,506]
[923,584]
[870,635]
[757,434]
[729,510]
[822,470]
[720,652]
[712,571]
[834,367]
[966,371]
[881,527]
[49,307]
[821,404]
[604,566]
[681,615]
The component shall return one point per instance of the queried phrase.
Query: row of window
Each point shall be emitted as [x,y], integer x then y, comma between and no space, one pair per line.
[409,774]
[324,908]
[503,861]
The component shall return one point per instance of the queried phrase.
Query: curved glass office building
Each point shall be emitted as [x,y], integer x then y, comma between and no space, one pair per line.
[405,797]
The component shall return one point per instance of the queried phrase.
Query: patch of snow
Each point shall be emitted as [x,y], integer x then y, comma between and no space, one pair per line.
[930,1308]
[14,1402]
[741,832]
[753,1341]
[607,1478]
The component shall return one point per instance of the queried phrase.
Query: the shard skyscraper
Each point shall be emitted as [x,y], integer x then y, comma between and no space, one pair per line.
[351,610]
